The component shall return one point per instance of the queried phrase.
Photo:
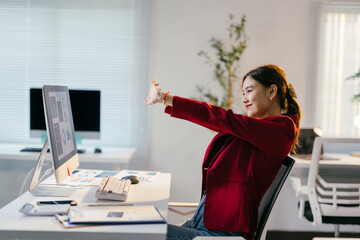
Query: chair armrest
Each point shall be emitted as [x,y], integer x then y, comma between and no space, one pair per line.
[173,205]
[301,192]
[218,238]
[299,189]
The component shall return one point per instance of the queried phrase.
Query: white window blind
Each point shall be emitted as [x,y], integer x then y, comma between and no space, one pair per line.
[338,58]
[83,44]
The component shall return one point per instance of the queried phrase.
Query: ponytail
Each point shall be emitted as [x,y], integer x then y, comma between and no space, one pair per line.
[292,107]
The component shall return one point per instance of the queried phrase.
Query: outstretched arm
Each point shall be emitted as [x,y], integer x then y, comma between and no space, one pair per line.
[156,96]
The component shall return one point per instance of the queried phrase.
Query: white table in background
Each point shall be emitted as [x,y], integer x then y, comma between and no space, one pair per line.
[120,157]
[330,161]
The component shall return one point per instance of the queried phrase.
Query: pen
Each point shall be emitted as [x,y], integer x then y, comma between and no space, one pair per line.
[104,204]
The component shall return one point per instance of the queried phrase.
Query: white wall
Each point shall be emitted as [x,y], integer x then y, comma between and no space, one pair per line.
[281,32]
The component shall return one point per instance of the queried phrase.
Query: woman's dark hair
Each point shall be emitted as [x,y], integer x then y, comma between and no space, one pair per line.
[268,75]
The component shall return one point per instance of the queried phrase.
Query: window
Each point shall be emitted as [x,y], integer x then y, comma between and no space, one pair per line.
[83,44]
[338,58]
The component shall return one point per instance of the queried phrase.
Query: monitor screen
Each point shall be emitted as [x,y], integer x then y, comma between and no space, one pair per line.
[60,130]
[85,106]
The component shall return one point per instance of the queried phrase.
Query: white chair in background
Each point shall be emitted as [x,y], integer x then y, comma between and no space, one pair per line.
[328,202]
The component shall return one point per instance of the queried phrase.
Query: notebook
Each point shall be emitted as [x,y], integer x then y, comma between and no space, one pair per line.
[114,215]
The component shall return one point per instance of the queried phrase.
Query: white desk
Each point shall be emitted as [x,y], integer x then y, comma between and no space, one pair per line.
[334,161]
[16,225]
[120,157]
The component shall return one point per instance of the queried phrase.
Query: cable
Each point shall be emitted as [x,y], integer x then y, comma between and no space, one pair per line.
[47,172]
[25,181]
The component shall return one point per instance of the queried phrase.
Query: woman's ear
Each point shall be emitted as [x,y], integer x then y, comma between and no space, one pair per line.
[272,91]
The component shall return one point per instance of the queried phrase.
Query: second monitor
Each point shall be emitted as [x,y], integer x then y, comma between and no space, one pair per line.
[85,106]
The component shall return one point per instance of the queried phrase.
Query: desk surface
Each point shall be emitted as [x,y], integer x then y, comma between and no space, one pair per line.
[14,224]
[330,161]
[10,151]
[333,238]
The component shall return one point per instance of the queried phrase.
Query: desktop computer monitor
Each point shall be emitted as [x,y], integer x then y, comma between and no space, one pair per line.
[60,138]
[85,105]
[60,129]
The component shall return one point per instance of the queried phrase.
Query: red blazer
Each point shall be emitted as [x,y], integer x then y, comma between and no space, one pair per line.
[239,164]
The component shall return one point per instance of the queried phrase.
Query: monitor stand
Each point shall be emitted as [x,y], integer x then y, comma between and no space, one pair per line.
[41,190]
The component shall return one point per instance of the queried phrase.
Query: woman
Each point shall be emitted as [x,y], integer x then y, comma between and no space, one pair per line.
[244,157]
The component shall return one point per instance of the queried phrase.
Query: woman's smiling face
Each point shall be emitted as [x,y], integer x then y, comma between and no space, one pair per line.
[256,98]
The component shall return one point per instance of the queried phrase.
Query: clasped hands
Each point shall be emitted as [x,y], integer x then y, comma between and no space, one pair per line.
[154,94]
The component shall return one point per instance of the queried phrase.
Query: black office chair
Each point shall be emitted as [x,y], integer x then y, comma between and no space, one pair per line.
[266,203]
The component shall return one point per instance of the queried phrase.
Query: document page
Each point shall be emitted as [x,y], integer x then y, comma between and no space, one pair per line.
[114,214]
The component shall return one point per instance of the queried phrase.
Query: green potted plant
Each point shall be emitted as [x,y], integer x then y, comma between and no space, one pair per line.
[225,63]
[356,97]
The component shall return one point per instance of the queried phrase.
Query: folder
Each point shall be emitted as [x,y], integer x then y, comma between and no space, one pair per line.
[115,215]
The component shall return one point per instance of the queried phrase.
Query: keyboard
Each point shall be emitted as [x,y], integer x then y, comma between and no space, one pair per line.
[35,149]
[32,149]
[113,188]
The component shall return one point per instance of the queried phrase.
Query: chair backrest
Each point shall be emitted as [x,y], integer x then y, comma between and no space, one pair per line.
[326,198]
[271,195]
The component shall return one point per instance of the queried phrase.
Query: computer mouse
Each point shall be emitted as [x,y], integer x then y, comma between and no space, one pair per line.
[134,179]
[97,150]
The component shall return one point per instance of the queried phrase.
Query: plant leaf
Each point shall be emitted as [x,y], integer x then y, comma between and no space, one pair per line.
[226,60]
[356,98]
